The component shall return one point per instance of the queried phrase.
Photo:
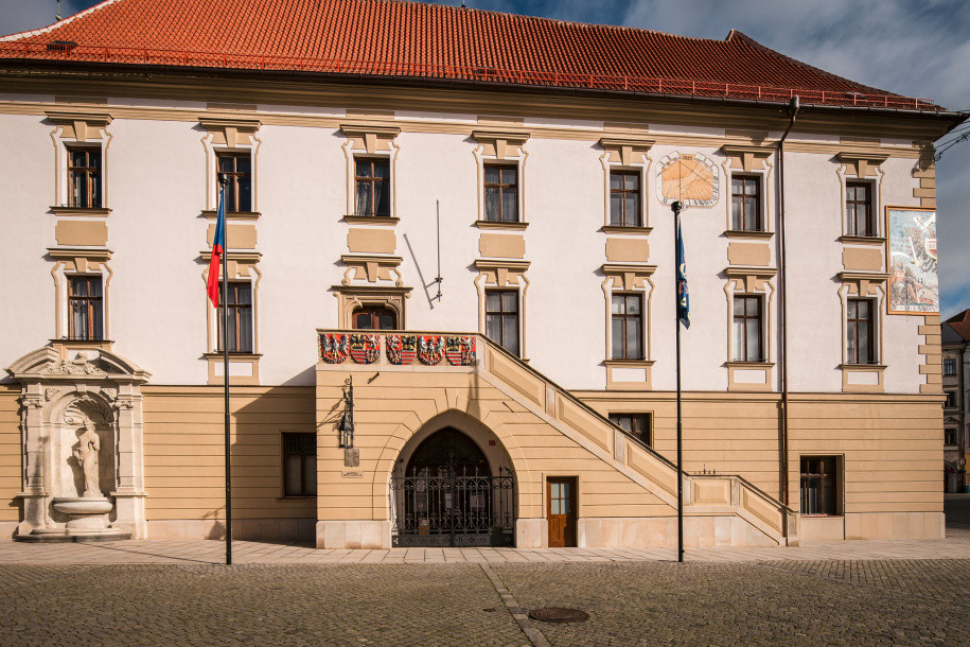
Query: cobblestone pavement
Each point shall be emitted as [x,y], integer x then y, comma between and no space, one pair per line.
[798,602]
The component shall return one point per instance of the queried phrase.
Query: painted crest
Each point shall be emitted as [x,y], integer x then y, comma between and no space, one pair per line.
[401,349]
[333,347]
[431,349]
[365,349]
[460,350]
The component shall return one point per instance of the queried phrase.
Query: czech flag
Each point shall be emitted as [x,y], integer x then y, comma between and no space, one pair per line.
[218,249]
[683,300]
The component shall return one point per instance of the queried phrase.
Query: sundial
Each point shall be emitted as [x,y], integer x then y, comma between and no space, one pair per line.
[692,179]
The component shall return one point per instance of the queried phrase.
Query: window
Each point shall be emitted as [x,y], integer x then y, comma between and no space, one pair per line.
[238,169]
[949,366]
[637,424]
[858,209]
[373,180]
[951,399]
[820,486]
[860,345]
[502,318]
[240,303]
[748,345]
[84,175]
[375,318]
[746,203]
[625,199]
[85,308]
[299,465]
[627,321]
[950,436]
[501,193]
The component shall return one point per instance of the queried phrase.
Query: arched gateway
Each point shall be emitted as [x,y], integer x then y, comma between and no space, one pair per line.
[449,496]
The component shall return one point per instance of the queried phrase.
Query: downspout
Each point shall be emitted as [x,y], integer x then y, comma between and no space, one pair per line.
[793,108]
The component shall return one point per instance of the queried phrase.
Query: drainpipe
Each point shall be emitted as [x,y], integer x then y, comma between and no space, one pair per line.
[793,108]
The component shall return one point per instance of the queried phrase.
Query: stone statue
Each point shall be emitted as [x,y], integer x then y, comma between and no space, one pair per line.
[89,444]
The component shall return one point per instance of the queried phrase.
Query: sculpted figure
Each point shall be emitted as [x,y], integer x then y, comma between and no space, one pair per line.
[89,444]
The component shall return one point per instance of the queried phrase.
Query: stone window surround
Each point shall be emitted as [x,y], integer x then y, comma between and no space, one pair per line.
[504,275]
[229,136]
[374,141]
[507,148]
[627,154]
[872,286]
[74,261]
[78,128]
[862,167]
[628,279]
[751,161]
[751,281]
[243,367]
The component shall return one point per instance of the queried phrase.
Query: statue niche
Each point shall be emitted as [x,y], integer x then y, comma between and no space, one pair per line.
[87,461]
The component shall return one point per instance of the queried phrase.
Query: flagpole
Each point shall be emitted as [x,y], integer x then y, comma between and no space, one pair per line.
[223,180]
[676,207]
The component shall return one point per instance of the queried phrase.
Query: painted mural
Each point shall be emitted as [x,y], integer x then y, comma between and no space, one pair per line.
[913,284]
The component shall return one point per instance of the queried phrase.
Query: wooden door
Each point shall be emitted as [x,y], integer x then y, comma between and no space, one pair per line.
[561,511]
[374,318]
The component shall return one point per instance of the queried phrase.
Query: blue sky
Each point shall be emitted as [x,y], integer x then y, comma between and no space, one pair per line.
[914,47]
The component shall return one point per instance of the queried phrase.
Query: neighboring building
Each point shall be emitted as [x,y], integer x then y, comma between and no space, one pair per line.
[372,148]
[956,369]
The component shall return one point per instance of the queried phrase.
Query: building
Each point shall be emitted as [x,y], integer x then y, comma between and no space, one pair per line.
[956,367]
[466,217]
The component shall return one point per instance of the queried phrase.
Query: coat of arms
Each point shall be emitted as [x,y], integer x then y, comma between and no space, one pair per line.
[401,349]
[365,349]
[460,351]
[333,347]
[431,349]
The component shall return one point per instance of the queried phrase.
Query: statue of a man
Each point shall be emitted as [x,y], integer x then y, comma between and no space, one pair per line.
[89,444]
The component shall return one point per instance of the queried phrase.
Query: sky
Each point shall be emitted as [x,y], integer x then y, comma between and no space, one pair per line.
[917,48]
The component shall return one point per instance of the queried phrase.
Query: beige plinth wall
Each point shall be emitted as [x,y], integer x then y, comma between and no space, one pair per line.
[184,464]
[9,460]
[626,493]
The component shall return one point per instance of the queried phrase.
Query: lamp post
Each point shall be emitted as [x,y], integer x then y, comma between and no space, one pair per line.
[678,262]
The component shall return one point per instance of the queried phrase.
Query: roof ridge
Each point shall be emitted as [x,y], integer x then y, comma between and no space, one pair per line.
[747,40]
[56,25]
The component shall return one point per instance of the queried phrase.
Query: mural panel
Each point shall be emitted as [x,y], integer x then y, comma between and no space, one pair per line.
[913,284]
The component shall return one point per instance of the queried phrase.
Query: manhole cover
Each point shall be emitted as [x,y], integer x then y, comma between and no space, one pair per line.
[559,614]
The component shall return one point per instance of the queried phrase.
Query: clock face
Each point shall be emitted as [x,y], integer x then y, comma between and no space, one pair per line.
[690,178]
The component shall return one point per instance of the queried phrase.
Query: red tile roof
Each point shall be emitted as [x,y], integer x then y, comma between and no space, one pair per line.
[961,324]
[412,39]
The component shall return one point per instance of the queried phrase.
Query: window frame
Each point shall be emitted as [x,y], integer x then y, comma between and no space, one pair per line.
[852,221]
[93,175]
[638,193]
[372,180]
[502,315]
[94,313]
[837,482]
[852,356]
[490,164]
[642,431]
[235,310]
[234,177]
[306,440]
[741,354]
[949,366]
[758,179]
[624,318]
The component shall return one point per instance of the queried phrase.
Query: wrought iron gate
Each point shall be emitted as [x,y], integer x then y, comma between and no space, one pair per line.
[451,509]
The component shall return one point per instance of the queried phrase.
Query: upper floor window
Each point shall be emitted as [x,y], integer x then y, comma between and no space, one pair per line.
[627,326]
[501,193]
[625,199]
[372,178]
[858,209]
[637,424]
[84,177]
[949,366]
[949,436]
[240,303]
[85,308]
[238,169]
[747,324]
[746,203]
[951,399]
[502,318]
[374,318]
[860,332]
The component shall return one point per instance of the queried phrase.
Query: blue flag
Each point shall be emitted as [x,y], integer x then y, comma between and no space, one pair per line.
[683,299]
